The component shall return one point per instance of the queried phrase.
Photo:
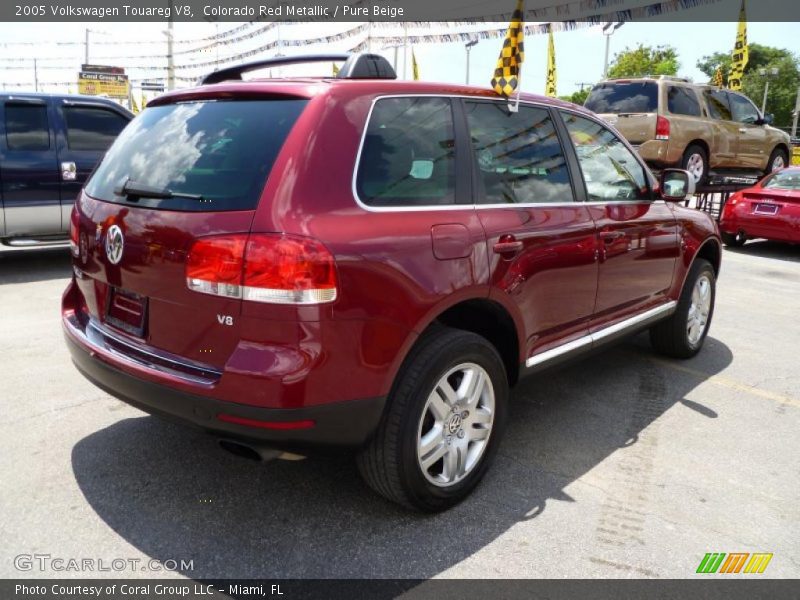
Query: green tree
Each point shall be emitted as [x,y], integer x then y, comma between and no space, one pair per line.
[644,60]
[782,87]
[577,97]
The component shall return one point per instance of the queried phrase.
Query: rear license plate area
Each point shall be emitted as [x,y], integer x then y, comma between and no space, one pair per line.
[766,209]
[127,311]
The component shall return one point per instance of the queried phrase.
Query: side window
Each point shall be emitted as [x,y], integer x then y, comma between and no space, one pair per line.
[610,170]
[743,110]
[92,128]
[519,157]
[718,107]
[682,101]
[27,127]
[408,156]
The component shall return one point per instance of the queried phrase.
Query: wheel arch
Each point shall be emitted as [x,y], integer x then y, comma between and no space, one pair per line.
[698,142]
[490,320]
[711,250]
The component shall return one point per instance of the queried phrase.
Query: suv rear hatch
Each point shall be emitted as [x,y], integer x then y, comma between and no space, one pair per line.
[145,229]
[630,106]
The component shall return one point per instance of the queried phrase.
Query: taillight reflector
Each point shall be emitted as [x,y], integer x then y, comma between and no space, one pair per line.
[284,425]
[271,268]
[74,225]
[662,128]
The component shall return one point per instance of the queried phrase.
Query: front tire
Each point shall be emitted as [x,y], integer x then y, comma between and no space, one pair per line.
[683,334]
[443,423]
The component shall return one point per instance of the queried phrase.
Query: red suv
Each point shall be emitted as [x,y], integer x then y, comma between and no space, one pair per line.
[303,264]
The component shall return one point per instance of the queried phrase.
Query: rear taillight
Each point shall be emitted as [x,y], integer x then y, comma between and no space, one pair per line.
[662,128]
[74,225]
[214,266]
[271,268]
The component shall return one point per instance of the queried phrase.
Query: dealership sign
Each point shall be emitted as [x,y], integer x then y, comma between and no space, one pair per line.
[101,80]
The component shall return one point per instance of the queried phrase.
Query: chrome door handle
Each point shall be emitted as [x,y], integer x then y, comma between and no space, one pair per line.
[611,236]
[69,172]
[508,247]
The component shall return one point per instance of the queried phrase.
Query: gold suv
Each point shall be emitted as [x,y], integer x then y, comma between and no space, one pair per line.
[696,127]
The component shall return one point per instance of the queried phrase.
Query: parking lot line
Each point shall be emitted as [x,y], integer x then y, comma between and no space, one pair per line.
[728,383]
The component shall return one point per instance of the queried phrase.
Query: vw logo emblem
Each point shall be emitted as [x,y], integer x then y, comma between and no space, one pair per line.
[454,424]
[115,244]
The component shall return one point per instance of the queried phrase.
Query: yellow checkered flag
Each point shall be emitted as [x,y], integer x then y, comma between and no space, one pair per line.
[718,79]
[509,63]
[741,53]
[550,86]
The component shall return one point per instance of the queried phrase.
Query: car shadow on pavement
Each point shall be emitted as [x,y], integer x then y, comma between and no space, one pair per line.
[34,264]
[173,494]
[767,249]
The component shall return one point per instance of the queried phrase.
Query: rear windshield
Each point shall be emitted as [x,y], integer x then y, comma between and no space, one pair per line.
[627,97]
[218,151]
[788,179]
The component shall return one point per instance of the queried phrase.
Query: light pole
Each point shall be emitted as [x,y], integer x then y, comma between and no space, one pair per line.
[468,47]
[608,31]
[766,73]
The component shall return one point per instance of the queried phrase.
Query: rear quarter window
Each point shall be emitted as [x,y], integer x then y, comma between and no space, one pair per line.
[682,101]
[220,150]
[408,153]
[624,97]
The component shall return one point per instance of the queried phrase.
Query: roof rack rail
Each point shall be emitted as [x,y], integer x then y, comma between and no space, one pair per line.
[674,78]
[356,66]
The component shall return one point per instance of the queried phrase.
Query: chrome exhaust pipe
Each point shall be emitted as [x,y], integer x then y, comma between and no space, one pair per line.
[262,454]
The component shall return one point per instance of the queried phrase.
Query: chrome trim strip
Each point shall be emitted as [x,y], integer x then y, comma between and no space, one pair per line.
[538,359]
[94,337]
[549,355]
[392,209]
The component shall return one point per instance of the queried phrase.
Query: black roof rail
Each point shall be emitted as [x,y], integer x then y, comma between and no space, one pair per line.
[356,66]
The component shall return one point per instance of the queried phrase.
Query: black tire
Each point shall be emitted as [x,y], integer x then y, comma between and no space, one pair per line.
[670,337]
[734,240]
[777,153]
[389,462]
[688,155]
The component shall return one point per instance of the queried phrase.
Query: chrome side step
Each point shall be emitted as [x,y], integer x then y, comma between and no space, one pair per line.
[592,338]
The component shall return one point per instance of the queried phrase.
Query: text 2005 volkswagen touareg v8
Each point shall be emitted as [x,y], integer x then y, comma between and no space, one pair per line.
[299,265]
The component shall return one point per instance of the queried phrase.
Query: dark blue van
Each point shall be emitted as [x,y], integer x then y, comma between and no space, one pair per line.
[49,145]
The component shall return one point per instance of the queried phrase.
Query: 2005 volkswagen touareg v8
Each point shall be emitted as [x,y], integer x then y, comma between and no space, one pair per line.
[303,264]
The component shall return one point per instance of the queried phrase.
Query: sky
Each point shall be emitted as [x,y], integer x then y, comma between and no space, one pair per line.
[579,53]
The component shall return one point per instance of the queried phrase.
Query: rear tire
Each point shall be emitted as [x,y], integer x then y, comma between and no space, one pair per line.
[733,240]
[683,334]
[777,160]
[695,160]
[429,453]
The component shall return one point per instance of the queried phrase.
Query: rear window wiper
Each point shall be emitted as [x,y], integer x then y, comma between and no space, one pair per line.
[127,188]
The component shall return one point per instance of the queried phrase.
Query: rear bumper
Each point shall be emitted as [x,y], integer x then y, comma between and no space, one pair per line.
[660,153]
[341,424]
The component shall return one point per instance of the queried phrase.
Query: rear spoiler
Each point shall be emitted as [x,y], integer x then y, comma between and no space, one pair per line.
[356,66]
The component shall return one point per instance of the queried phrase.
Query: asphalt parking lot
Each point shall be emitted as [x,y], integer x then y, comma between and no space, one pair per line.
[622,465]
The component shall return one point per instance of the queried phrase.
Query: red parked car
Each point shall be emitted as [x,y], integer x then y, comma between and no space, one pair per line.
[770,209]
[298,265]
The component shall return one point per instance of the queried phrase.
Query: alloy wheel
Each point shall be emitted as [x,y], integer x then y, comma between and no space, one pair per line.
[699,310]
[696,166]
[455,424]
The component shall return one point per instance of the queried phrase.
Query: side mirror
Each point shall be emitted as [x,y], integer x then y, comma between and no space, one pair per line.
[767,119]
[677,185]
